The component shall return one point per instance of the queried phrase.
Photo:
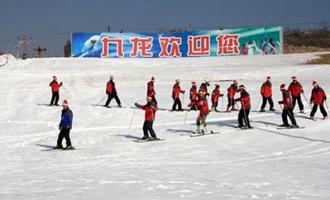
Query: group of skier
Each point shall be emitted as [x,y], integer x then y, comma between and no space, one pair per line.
[199,101]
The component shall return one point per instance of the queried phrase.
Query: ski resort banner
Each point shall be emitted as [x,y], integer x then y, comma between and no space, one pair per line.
[245,41]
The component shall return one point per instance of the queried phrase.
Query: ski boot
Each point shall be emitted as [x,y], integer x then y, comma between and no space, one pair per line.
[58,147]
[69,148]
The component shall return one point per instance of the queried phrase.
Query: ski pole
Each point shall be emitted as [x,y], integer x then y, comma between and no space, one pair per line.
[69,95]
[310,106]
[98,103]
[326,104]
[130,123]
[222,102]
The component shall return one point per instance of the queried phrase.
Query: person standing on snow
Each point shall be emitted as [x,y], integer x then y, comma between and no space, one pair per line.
[287,109]
[149,118]
[318,97]
[215,97]
[231,91]
[55,91]
[296,89]
[65,127]
[244,112]
[112,92]
[266,93]
[151,90]
[176,95]
[203,108]
[193,96]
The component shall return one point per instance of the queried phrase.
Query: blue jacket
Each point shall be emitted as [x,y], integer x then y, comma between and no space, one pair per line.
[66,119]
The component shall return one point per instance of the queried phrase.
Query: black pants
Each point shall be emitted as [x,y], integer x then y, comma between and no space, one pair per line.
[177,102]
[300,104]
[110,97]
[55,98]
[64,133]
[264,101]
[288,112]
[243,115]
[147,127]
[214,105]
[154,99]
[231,102]
[323,111]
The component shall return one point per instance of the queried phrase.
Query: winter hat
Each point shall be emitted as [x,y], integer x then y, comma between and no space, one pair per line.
[217,85]
[65,103]
[294,78]
[268,77]
[242,87]
[177,80]
[54,77]
[111,77]
[282,87]
[193,82]
[235,82]
[152,78]
[315,83]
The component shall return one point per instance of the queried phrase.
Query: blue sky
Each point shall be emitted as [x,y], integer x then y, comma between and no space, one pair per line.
[50,22]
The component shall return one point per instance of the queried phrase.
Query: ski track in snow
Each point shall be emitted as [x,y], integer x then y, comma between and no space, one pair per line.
[262,163]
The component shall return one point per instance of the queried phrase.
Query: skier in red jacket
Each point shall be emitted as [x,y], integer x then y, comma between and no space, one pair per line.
[317,98]
[112,92]
[287,109]
[296,89]
[203,108]
[149,118]
[193,96]
[55,91]
[231,91]
[244,112]
[151,90]
[215,97]
[176,95]
[266,93]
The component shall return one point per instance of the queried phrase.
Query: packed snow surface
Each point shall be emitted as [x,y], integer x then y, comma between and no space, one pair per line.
[262,163]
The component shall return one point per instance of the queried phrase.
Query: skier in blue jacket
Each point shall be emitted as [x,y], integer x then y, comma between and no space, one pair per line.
[65,127]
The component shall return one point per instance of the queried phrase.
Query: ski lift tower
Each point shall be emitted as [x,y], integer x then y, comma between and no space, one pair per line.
[23,43]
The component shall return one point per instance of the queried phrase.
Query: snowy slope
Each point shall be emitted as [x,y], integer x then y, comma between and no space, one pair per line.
[263,163]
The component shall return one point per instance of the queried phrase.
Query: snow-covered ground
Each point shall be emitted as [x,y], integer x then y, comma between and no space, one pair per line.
[263,163]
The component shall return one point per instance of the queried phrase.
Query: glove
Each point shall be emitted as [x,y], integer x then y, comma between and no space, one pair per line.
[61,83]
[136,104]
[183,91]
[311,102]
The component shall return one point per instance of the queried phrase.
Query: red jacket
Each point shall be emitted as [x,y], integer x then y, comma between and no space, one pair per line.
[232,91]
[266,89]
[150,89]
[55,86]
[215,95]
[286,100]
[111,88]
[318,96]
[203,106]
[245,100]
[193,93]
[176,91]
[150,111]
[295,88]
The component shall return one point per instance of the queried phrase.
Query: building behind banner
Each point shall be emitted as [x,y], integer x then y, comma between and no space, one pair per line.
[227,42]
